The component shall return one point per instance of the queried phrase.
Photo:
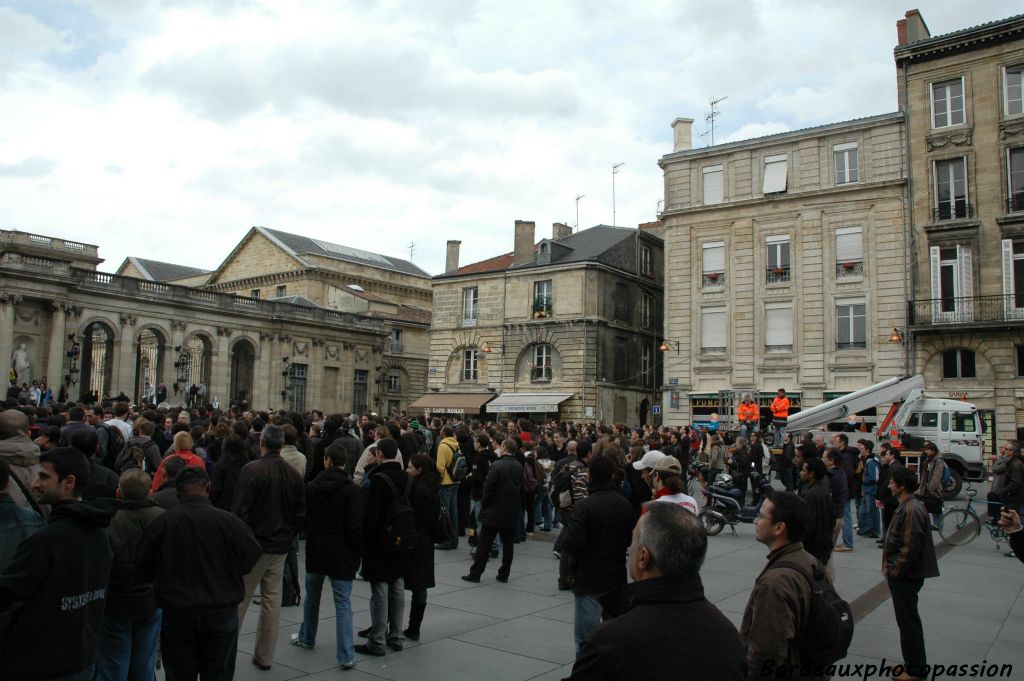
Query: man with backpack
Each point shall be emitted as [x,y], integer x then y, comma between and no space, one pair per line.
[783,637]
[449,467]
[140,451]
[389,539]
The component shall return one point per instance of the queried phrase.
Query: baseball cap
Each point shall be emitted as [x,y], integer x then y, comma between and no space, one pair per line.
[191,474]
[668,464]
[649,460]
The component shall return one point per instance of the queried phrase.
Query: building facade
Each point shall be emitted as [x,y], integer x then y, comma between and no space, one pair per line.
[567,326]
[62,320]
[786,266]
[961,94]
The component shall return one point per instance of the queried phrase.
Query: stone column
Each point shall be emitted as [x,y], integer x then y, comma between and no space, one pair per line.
[6,333]
[220,368]
[55,353]
[261,380]
[123,374]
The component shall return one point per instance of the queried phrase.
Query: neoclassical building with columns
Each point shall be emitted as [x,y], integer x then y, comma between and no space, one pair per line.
[63,320]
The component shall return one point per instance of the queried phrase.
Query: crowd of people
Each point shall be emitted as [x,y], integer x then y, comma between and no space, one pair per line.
[127,529]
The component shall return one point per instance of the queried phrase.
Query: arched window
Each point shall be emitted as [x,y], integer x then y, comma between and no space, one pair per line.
[959,363]
[97,358]
[197,351]
[243,362]
[149,364]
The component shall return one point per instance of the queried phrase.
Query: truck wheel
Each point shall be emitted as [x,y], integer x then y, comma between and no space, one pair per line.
[952,489]
[712,521]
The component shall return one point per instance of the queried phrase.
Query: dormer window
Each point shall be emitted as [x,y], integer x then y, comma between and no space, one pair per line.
[543,253]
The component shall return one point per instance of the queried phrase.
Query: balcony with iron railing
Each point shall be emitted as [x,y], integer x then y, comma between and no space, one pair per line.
[979,311]
[851,345]
[777,274]
[958,209]
[1015,203]
[713,280]
[849,269]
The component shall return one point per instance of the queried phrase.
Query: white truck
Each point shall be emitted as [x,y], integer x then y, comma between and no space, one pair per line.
[954,426]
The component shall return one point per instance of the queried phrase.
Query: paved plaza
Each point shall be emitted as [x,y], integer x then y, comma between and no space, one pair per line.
[523,630]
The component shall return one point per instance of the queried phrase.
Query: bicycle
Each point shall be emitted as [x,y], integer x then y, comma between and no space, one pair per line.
[962,525]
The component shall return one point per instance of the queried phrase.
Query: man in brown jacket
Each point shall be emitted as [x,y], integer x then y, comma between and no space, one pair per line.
[779,604]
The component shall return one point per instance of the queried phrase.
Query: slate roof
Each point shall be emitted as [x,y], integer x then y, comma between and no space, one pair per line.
[596,244]
[155,270]
[294,300]
[924,42]
[405,313]
[298,245]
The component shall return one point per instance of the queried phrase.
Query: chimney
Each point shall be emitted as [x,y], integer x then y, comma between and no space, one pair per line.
[914,28]
[901,32]
[560,230]
[451,261]
[523,252]
[682,136]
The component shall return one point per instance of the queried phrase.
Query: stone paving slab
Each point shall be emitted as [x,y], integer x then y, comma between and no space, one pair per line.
[522,631]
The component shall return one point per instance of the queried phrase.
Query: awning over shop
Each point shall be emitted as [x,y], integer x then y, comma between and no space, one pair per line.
[526,403]
[452,403]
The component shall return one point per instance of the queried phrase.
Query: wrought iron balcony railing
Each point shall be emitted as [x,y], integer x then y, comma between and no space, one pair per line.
[975,309]
[953,210]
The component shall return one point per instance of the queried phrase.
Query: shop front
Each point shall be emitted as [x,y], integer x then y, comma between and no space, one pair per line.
[451,404]
[534,406]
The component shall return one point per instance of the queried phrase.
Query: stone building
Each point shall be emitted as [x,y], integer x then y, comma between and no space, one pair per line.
[961,94]
[120,333]
[785,266]
[567,326]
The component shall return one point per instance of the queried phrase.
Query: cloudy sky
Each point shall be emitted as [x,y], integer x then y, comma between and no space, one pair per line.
[166,129]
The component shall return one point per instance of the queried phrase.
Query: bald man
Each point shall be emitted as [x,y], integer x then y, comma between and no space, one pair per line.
[20,453]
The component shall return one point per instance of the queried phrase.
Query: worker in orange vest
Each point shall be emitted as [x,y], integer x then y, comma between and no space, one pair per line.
[780,412]
[748,415]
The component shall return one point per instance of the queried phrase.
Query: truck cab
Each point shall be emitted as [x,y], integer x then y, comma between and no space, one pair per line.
[955,427]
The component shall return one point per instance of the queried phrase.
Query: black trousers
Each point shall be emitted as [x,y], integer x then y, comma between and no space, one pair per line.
[483,549]
[199,642]
[904,603]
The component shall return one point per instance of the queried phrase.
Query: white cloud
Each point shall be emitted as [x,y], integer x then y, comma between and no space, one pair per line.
[165,130]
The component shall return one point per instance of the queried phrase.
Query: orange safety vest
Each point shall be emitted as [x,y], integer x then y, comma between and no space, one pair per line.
[748,412]
[780,408]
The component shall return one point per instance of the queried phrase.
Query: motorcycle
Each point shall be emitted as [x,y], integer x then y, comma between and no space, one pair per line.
[725,503]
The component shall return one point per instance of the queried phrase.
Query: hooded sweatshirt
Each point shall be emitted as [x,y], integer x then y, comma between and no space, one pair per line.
[55,590]
[22,456]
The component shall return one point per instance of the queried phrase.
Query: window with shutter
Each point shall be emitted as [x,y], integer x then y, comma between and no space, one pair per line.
[713,265]
[849,252]
[712,330]
[778,318]
[1012,81]
[778,259]
[951,200]
[1013,278]
[846,163]
[776,169]
[714,188]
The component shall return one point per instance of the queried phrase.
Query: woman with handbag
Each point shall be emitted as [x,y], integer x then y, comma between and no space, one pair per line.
[432,525]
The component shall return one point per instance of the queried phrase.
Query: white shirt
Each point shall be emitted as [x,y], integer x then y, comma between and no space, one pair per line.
[125,429]
[684,500]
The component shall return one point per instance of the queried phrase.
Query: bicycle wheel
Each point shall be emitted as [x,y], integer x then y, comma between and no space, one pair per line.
[958,527]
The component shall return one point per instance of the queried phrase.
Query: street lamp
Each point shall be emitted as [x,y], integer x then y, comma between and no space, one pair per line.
[667,345]
[181,367]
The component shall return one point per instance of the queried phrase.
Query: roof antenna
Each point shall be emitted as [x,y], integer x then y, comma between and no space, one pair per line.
[412,249]
[578,197]
[709,118]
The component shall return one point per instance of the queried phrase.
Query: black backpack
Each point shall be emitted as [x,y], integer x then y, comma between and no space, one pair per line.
[115,444]
[400,535]
[459,467]
[828,631]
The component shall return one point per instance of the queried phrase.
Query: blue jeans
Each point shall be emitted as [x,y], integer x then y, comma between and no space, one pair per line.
[542,509]
[342,588]
[84,675]
[848,524]
[586,618]
[868,514]
[387,613]
[450,500]
[126,649]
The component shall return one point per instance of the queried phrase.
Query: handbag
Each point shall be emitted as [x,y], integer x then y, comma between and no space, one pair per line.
[446,530]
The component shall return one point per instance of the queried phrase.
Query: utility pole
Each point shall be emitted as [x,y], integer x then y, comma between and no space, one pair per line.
[615,171]
[578,197]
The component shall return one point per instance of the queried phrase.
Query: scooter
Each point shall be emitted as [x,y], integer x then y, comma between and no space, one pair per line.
[725,503]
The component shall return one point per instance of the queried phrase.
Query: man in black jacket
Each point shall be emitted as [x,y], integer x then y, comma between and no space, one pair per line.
[596,539]
[55,586]
[664,603]
[345,449]
[271,499]
[499,507]
[196,555]
[886,501]
[334,540]
[908,559]
[126,648]
[821,520]
[383,565]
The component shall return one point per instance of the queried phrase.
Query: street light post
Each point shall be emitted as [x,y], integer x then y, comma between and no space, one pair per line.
[615,171]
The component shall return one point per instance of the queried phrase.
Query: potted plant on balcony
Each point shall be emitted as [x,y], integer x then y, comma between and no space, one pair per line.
[712,276]
[778,270]
[541,307]
[849,266]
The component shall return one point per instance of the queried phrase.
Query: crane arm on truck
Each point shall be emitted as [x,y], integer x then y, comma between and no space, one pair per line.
[904,388]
